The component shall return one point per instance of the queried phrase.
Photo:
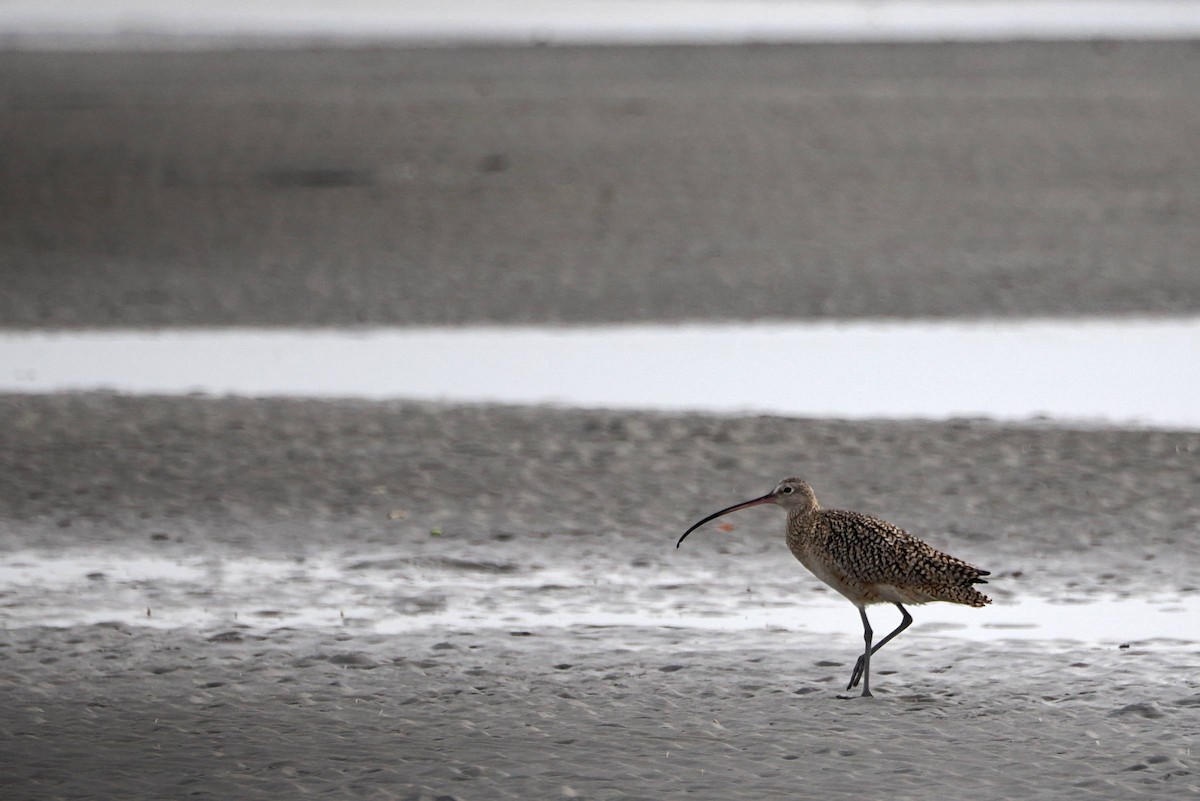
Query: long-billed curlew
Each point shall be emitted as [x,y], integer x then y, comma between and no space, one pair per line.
[866,559]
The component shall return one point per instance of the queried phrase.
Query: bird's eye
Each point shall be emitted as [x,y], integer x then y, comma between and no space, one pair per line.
[787,490]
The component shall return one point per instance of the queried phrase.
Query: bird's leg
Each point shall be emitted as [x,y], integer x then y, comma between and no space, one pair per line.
[858,667]
[865,659]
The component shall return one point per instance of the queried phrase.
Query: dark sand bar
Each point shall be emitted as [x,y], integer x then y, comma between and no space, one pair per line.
[344,187]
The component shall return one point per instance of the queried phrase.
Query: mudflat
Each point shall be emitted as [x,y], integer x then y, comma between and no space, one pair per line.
[583,185]
[233,598]
[533,516]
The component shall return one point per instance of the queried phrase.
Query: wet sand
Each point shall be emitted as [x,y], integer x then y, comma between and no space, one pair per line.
[598,184]
[580,184]
[584,507]
[572,714]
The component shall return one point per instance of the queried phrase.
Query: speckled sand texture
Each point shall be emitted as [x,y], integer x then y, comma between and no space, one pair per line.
[264,599]
[243,707]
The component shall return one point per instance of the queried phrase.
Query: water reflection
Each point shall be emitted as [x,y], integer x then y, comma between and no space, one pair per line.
[401,595]
[1106,371]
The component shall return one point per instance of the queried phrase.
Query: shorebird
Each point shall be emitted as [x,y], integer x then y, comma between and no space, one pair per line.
[868,560]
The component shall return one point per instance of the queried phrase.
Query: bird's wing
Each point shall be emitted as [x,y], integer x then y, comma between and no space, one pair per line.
[875,551]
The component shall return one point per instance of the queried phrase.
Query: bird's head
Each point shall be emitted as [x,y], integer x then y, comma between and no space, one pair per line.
[791,493]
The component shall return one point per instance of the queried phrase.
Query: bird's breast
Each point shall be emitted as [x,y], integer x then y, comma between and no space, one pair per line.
[801,542]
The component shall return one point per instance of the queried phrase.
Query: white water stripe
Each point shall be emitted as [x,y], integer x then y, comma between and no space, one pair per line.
[78,587]
[117,23]
[1143,372]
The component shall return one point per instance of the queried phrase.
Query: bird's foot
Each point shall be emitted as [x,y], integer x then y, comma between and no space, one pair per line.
[856,674]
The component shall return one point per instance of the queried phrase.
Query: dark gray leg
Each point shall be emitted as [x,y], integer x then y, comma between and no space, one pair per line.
[865,659]
[861,664]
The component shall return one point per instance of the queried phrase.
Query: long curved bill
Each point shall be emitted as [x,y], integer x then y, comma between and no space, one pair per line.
[768,498]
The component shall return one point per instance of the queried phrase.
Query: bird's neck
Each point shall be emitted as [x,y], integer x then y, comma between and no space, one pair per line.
[810,509]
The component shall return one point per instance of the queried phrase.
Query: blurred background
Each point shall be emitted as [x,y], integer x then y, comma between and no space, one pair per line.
[368,164]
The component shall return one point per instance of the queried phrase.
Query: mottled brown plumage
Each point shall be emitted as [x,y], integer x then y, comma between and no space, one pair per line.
[867,560]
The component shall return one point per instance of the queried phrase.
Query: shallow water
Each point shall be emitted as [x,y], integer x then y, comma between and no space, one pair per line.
[115,23]
[399,595]
[1129,371]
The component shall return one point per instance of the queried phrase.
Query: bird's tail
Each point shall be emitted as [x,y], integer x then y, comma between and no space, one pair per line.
[965,593]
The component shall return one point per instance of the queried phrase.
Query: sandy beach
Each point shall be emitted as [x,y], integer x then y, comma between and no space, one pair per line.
[573,510]
[230,598]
